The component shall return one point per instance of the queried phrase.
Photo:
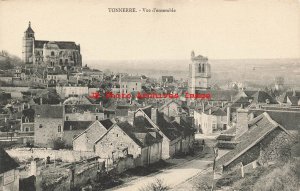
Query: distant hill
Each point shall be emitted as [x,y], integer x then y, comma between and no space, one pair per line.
[8,61]
[258,71]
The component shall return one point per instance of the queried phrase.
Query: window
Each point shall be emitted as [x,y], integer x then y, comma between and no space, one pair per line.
[199,68]
[96,117]
[40,126]
[59,128]
[67,118]
[52,53]
[136,84]
[117,135]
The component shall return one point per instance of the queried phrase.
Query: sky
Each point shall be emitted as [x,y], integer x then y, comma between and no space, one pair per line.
[218,29]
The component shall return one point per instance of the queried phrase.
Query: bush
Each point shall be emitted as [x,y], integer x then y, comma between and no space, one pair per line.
[286,178]
[158,185]
[59,144]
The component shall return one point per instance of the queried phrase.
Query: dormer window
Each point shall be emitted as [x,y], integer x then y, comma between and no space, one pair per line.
[40,126]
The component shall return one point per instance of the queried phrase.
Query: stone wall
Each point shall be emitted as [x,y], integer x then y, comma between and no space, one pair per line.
[25,154]
[45,135]
[276,146]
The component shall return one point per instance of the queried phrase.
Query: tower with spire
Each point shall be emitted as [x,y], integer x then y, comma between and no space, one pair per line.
[199,73]
[28,42]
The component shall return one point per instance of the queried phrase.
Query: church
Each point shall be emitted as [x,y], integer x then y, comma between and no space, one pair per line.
[199,74]
[65,54]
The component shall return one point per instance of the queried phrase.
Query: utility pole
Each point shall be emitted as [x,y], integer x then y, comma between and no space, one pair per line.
[214,166]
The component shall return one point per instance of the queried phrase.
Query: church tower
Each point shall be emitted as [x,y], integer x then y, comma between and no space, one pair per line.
[199,73]
[28,42]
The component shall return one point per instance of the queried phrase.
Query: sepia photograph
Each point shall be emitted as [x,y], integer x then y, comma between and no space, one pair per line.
[156,95]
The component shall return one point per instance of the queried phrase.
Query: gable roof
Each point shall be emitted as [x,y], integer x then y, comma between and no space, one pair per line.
[166,127]
[60,44]
[107,123]
[48,111]
[219,95]
[287,117]
[141,137]
[6,162]
[166,104]
[259,128]
[76,125]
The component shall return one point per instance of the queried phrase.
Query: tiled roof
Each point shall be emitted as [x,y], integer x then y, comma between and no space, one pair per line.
[166,127]
[288,118]
[107,123]
[259,127]
[220,95]
[131,79]
[6,162]
[76,125]
[139,135]
[262,96]
[214,110]
[60,44]
[48,111]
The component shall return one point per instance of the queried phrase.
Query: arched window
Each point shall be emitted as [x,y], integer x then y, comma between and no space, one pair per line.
[52,53]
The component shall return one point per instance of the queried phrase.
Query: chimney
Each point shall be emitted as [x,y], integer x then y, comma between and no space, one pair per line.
[130,117]
[154,115]
[33,168]
[209,111]
[228,115]
[241,121]
[203,107]
[41,101]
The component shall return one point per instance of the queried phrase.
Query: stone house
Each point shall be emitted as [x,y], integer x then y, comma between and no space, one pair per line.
[178,135]
[72,129]
[261,140]
[86,139]
[171,109]
[48,125]
[209,119]
[123,139]
[9,173]
[84,112]
[27,120]
[130,84]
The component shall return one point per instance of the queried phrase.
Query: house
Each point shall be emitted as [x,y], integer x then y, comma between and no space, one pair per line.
[72,129]
[9,173]
[178,135]
[55,75]
[84,112]
[27,120]
[123,140]
[130,84]
[65,91]
[172,109]
[261,140]
[167,79]
[86,139]
[210,119]
[48,125]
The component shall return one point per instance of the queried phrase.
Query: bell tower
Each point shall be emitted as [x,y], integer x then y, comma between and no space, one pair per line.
[28,42]
[199,73]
